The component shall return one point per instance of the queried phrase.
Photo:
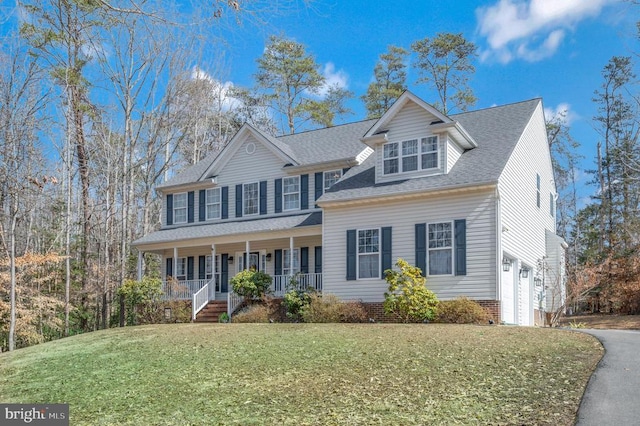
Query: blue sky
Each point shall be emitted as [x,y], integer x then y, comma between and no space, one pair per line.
[553,49]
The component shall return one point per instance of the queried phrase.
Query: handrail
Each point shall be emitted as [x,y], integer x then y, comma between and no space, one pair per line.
[200,300]
[233,301]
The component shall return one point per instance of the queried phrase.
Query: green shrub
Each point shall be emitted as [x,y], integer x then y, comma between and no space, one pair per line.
[251,284]
[253,313]
[140,297]
[294,302]
[461,311]
[328,308]
[408,297]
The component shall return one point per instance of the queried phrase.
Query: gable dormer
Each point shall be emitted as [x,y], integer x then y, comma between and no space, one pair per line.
[413,139]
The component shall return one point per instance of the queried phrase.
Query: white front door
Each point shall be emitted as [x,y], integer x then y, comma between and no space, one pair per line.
[508,296]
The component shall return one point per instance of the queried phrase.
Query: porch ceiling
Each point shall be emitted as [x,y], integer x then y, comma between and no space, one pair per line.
[294,225]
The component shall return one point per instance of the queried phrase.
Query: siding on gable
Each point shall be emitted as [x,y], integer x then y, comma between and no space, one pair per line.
[523,222]
[410,123]
[454,151]
[478,208]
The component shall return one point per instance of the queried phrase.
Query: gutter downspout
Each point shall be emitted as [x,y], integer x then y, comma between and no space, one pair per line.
[499,253]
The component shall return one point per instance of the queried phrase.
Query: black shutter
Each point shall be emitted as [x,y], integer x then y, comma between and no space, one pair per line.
[460,227]
[386,250]
[202,267]
[169,271]
[190,268]
[225,202]
[224,273]
[202,204]
[351,254]
[421,247]
[319,185]
[304,260]
[318,259]
[263,197]
[304,192]
[190,206]
[278,195]
[170,209]
[278,262]
[239,200]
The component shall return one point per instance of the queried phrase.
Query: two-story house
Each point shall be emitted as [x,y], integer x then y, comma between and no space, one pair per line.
[469,198]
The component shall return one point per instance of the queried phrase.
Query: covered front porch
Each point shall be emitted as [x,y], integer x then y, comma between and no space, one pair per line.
[200,269]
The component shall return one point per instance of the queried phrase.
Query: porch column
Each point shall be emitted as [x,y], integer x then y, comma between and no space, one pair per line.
[175,261]
[212,291]
[246,250]
[140,258]
[290,255]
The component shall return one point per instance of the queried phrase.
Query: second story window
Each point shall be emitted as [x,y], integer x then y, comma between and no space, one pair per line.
[410,155]
[180,208]
[213,203]
[331,177]
[291,193]
[251,198]
[538,190]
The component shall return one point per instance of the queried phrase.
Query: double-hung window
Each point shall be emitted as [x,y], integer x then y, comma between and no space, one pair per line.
[429,150]
[181,268]
[180,208]
[538,190]
[331,178]
[410,155]
[291,193]
[369,253]
[213,203]
[250,198]
[287,267]
[440,246]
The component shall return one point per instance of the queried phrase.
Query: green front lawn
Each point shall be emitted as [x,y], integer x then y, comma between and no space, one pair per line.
[297,374]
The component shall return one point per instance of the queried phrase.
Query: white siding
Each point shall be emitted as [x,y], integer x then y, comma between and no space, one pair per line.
[454,151]
[410,123]
[478,208]
[524,224]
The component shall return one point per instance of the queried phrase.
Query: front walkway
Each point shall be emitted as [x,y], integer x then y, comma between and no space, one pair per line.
[612,396]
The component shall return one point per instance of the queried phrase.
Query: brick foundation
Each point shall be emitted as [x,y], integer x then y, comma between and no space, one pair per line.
[375,310]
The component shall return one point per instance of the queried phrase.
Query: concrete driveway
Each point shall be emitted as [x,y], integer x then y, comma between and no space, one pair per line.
[612,396]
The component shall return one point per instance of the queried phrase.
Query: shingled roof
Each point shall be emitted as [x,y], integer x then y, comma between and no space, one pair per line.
[496,131]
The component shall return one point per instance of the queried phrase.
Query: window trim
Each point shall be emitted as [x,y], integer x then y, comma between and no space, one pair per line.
[176,196]
[400,157]
[181,262]
[378,253]
[538,189]
[284,194]
[324,178]
[285,258]
[552,205]
[208,205]
[244,199]
[451,248]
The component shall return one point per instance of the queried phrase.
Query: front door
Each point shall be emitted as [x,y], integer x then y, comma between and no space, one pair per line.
[508,296]
[254,261]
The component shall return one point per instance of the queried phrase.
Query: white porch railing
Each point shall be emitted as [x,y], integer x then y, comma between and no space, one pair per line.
[283,283]
[181,290]
[233,301]
[200,300]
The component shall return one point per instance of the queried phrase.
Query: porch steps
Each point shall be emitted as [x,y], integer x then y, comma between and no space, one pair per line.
[212,311]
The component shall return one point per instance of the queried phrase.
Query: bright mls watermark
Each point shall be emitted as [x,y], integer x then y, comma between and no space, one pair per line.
[34,414]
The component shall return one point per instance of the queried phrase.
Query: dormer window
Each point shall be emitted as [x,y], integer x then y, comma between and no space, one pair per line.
[410,155]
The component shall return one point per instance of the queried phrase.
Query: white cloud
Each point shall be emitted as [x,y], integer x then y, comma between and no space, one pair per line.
[562,110]
[512,27]
[333,78]
[218,88]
